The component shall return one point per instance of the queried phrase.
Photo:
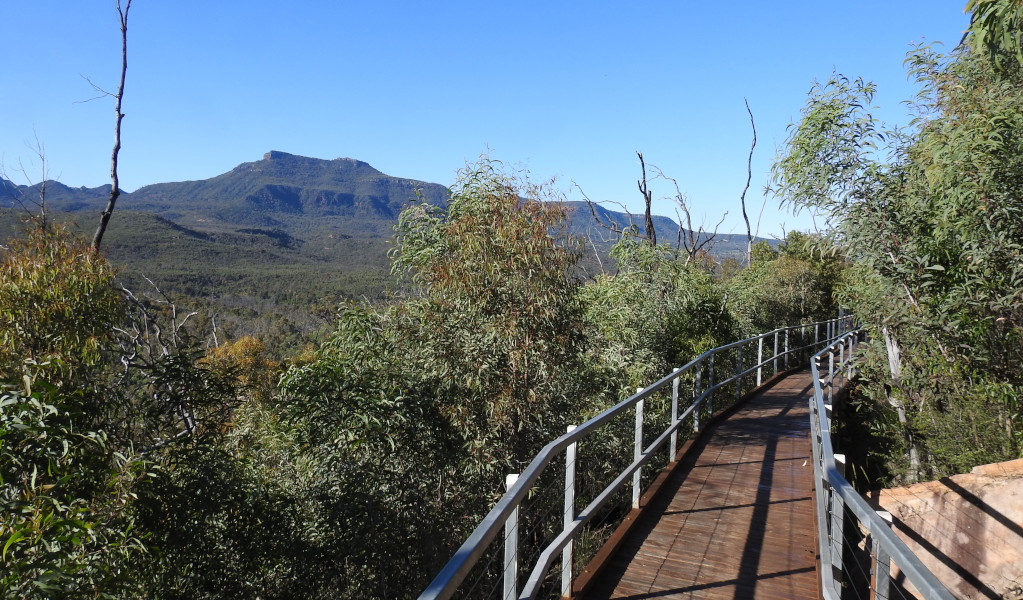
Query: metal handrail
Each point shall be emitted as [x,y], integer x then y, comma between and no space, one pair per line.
[454,572]
[837,500]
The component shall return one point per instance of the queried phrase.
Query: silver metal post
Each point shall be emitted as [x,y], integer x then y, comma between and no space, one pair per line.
[848,358]
[775,351]
[710,387]
[760,360]
[882,564]
[511,546]
[696,394]
[673,444]
[837,521]
[787,348]
[637,452]
[566,554]
[841,362]
[738,372]
[831,377]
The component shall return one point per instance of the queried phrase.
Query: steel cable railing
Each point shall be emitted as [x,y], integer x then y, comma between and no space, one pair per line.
[718,377]
[859,552]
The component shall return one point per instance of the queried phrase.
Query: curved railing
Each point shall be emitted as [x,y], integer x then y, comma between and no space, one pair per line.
[858,550]
[711,376]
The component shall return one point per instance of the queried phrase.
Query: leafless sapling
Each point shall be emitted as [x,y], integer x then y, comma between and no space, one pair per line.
[115,190]
[749,177]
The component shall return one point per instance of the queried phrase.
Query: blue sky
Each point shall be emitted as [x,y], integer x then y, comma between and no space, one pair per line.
[563,89]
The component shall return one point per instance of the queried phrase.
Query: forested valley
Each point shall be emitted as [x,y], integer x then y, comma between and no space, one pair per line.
[142,456]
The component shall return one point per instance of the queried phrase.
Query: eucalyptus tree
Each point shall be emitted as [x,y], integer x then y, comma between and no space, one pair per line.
[932,219]
[413,413]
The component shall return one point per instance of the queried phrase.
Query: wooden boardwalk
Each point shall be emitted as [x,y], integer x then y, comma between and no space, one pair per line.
[735,518]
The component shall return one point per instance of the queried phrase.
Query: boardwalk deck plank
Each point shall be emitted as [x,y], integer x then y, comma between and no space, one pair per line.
[742,524]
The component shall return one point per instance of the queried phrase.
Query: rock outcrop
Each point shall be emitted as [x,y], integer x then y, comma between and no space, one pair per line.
[968,529]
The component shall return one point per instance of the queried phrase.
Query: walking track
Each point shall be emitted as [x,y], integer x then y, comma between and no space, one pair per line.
[735,518]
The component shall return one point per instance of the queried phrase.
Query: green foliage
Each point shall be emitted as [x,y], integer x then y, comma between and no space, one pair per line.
[796,285]
[57,308]
[156,467]
[828,164]
[762,253]
[655,314]
[996,28]
[247,358]
[63,494]
[411,413]
[933,223]
[90,380]
[63,484]
[499,308]
[383,464]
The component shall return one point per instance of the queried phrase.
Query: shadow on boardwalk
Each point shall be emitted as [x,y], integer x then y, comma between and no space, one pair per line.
[735,517]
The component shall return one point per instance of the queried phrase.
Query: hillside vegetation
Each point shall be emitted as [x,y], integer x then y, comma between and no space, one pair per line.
[934,233]
[271,247]
[146,452]
[196,466]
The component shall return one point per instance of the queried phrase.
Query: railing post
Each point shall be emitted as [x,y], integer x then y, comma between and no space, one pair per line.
[816,335]
[787,347]
[637,452]
[848,358]
[566,554]
[738,372]
[838,523]
[760,360]
[696,394]
[831,376]
[882,570]
[775,351]
[673,445]
[710,387]
[511,546]
[841,362]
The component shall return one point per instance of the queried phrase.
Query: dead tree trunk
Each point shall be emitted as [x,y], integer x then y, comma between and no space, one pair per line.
[749,178]
[651,234]
[115,190]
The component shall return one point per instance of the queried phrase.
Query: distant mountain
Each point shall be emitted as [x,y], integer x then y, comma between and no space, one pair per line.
[283,187]
[281,190]
[284,231]
[59,197]
[302,196]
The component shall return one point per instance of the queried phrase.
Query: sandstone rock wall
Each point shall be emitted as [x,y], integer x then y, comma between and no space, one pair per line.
[968,529]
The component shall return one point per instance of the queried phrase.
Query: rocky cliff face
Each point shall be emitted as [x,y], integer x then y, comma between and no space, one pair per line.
[968,529]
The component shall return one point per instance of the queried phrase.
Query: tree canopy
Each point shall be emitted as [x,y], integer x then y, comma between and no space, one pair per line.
[931,217]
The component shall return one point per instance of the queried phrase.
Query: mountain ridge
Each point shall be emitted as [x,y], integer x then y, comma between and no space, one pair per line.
[272,243]
[284,190]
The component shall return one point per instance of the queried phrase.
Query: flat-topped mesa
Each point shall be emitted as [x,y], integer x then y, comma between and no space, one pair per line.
[271,155]
[343,164]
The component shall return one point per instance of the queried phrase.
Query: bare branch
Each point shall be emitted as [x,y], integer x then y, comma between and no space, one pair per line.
[713,234]
[213,324]
[651,234]
[14,192]
[693,241]
[760,216]
[596,254]
[749,178]
[102,92]
[607,223]
[115,190]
